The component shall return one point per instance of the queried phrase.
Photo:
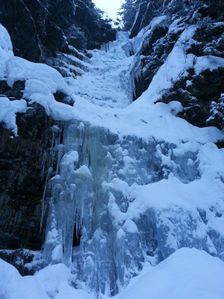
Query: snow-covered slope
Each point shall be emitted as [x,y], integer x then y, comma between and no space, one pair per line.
[132,183]
[186,274]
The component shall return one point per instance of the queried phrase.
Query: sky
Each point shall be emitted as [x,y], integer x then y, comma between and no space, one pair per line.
[109,6]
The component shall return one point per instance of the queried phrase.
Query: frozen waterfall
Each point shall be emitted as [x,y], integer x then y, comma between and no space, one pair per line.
[129,185]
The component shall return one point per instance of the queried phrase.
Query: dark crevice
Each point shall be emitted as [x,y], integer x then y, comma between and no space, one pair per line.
[76,237]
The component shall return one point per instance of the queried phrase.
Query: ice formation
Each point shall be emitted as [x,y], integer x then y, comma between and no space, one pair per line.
[136,189]
[133,182]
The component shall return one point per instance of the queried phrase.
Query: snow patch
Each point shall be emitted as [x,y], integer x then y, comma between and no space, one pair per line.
[8,111]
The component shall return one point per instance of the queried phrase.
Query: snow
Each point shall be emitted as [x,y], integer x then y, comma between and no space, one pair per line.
[105,82]
[21,69]
[175,201]
[42,82]
[83,172]
[70,159]
[6,51]
[67,292]
[8,111]
[186,274]
[183,275]
[51,282]
[13,286]
[208,62]
[52,277]
[178,197]
[102,94]
[145,31]
[5,41]
[130,226]
[94,106]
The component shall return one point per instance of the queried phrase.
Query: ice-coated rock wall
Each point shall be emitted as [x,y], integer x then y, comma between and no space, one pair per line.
[102,223]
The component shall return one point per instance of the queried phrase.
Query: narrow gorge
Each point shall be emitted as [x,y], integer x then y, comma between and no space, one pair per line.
[111,150]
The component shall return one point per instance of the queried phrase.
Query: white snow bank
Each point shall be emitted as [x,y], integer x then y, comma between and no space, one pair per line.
[8,110]
[186,274]
[21,69]
[208,62]
[170,193]
[6,51]
[145,121]
[13,286]
[52,278]
[67,292]
[51,282]
[177,65]
[42,81]
[5,41]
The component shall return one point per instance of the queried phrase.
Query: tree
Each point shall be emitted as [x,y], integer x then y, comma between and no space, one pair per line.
[127,12]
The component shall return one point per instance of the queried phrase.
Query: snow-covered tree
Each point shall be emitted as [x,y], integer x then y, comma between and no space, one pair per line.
[128,11]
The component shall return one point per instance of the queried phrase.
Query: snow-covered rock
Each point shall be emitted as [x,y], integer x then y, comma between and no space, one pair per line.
[42,82]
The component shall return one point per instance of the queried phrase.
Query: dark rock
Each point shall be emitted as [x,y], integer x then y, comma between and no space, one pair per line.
[220,144]
[147,10]
[22,259]
[209,39]
[196,115]
[22,179]
[208,85]
[155,49]
[16,92]
[62,98]
[41,28]
[143,79]
[213,9]
[157,33]
[196,97]
[3,87]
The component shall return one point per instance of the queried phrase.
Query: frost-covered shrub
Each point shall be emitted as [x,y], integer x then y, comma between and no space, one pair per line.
[217,112]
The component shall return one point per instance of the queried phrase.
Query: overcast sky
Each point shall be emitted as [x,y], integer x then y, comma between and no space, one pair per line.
[109,6]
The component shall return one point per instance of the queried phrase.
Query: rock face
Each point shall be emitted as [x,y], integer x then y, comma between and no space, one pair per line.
[26,140]
[22,179]
[165,21]
[40,29]
[146,10]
